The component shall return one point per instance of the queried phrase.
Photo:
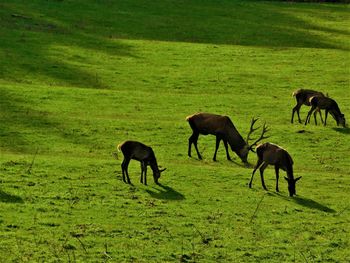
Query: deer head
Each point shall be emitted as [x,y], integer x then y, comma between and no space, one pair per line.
[157,173]
[341,120]
[291,185]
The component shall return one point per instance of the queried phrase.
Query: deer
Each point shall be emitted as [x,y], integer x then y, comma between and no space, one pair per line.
[133,150]
[329,105]
[223,128]
[302,97]
[269,153]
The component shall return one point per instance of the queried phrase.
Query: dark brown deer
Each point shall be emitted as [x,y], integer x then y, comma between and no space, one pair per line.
[223,128]
[269,153]
[329,105]
[302,97]
[142,153]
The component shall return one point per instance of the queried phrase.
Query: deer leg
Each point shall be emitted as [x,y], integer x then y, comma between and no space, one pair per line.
[190,141]
[298,112]
[325,118]
[226,148]
[123,172]
[142,169]
[277,177]
[319,111]
[145,173]
[260,161]
[315,112]
[309,115]
[125,165]
[193,139]
[296,109]
[218,139]
[262,168]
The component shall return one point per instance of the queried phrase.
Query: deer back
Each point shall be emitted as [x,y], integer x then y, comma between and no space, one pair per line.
[137,151]
[304,95]
[274,155]
[207,123]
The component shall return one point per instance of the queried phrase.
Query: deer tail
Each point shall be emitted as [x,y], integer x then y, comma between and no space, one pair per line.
[119,146]
[296,92]
[115,154]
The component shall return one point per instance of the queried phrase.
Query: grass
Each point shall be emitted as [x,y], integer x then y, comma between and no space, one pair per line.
[79,77]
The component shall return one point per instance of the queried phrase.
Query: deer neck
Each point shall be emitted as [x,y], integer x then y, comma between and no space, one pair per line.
[236,142]
[336,114]
[154,165]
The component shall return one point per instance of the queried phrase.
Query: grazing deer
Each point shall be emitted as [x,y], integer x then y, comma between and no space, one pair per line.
[329,105]
[269,153]
[303,97]
[142,153]
[223,128]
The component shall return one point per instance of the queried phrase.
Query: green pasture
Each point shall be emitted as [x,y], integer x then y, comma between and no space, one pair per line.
[79,77]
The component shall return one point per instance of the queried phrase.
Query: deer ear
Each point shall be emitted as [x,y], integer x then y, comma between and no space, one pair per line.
[162,170]
[298,178]
[251,149]
[286,179]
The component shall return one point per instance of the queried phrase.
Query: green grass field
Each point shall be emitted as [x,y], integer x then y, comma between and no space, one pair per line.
[79,77]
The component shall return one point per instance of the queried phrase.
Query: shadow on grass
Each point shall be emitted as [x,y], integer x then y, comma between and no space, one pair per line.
[54,43]
[9,198]
[19,116]
[241,164]
[237,163]
[342,130]
[166,193]
[247,165]
[309,203]
[306,202]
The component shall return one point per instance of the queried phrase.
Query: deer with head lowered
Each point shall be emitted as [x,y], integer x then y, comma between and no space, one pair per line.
[223,128]
[269,153]
[142,153]
[329,105]
[302,97]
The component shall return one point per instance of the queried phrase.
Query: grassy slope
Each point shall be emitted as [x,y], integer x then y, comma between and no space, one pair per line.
[78,77]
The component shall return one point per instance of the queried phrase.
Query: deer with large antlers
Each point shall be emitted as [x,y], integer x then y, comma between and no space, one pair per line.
[223,128]
[302,97]
[269,153]
[142,153]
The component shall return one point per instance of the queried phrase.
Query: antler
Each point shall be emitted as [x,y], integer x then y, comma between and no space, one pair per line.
[265,129]
[252,129]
